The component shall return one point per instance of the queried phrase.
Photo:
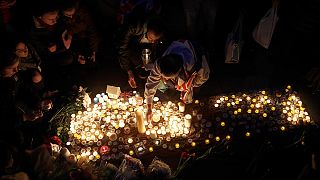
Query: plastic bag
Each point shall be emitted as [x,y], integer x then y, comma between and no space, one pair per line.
[263,32]
[234,42]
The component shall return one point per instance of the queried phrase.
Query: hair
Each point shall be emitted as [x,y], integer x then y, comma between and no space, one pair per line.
[7,59]
[170,64]
[45,6]
[156,25]
[69,4]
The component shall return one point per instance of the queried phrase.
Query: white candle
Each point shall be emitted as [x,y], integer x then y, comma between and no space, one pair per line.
[156,117]
[140,121]
[72,159]
[181,106]
[121,123]
[153,134]
[187,120]
[65,152]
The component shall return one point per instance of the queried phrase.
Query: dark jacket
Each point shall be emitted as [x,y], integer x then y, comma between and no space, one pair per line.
[10,112]
[32,61]
[131,41]
[82,28]
[41,38]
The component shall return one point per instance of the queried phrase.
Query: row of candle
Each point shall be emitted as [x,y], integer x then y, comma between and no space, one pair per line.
[289,105]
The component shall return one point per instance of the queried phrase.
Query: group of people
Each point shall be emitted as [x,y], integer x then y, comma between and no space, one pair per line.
[62,37]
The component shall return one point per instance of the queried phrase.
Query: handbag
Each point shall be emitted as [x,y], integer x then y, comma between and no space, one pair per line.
[263,32]
[234,42]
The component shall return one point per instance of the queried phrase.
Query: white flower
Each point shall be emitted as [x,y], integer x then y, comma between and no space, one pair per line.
[86,100]
[55,147]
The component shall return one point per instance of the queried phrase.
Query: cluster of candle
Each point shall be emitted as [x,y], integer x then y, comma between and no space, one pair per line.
[115,125]
[280,110]
[168,121]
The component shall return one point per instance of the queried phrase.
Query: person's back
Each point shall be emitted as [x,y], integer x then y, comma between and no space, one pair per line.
[181,67]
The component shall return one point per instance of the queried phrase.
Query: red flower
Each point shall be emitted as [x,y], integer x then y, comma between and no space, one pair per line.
[184,155]
[55,140]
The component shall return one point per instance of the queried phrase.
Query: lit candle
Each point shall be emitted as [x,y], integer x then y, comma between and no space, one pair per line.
[140,121]
[187,120]
[104,149]
[156,117]
[181,106]
[153,134]
[121,123]
[72,159]
[130,140]
[65,152]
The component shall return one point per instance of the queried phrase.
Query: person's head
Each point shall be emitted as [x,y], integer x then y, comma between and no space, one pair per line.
[155,29]
[69,8]
[47,11]
[36,77]
[50,18]
[9,65]
[170,65]
[21,50]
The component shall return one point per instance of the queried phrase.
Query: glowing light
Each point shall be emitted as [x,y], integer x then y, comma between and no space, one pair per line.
[228,137]
[150,149]
[207,141]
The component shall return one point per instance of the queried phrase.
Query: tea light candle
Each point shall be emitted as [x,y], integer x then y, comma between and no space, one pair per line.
[72,159]
[130,140]
[121,123]
[156,117]
[153,134]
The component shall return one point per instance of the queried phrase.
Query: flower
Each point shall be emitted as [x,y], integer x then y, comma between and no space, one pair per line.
[185,155]
[55,140]
[86,100]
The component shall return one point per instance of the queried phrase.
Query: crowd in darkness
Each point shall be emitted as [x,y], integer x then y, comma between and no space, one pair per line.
[50,47]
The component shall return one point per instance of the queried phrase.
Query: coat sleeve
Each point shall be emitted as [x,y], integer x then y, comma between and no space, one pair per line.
[124,46]
[152,84]
[203,74]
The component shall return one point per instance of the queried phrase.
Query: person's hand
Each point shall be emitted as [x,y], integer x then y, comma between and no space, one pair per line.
[81,59]
[66,39]
[52,48]
[50,93]
[93,57]
[32,116]
[131,80]
[149,112]
[46,105]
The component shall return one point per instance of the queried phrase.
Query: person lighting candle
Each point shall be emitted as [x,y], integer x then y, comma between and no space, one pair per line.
[183,66]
